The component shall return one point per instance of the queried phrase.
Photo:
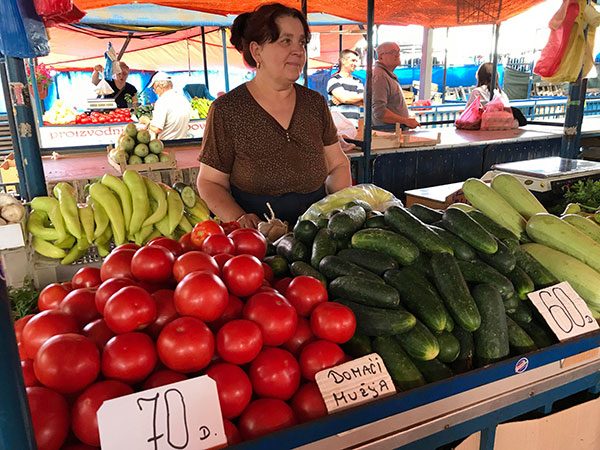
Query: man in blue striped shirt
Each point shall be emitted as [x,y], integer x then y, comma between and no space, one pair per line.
[345,90]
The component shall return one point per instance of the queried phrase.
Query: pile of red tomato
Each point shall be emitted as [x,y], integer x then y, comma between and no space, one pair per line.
[172,310]
[119,115]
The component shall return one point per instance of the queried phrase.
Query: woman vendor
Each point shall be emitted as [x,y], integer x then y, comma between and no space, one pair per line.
[270,139]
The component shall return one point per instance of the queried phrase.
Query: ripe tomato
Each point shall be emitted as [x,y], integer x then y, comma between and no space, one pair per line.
[152,263]
[172,245]
[249,242]
[275,373]
[231,432]
[43,326]
[161,378]
[129,245]
[319,355]
[217,243]
[28,374]
[264,416]
[186,345]
[268,272]
[301,337]
[204,229]
[98,332]
[117,264]
[194,261]
[276,318]
[165,311]
[333,321]
[239,341]
[80,303]
[67,285]
[308,403]
[130,308]
[20,324]
[86,277]
[233,311]
[222,258]
[202,295]
[243,275]
[79,447]
[50,417]
[228,227]
[233,386]
[67,363]
[186,243]
[129,357]
[84,421]
[282,284]
[108,288]
[304,293]
[51,296]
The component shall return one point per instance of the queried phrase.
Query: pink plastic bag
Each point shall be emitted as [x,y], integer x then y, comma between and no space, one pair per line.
[497,116]
[47,8]
[470,118]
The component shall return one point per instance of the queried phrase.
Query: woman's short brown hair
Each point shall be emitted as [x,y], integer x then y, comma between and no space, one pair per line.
[261,27]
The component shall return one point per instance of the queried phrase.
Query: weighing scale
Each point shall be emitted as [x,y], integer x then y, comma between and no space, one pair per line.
[101,104]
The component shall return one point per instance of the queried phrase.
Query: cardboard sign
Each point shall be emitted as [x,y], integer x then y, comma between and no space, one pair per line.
[183,415]
[565,312]
[353,383]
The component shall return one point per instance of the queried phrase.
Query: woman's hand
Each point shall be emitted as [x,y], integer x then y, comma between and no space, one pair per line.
[249,221]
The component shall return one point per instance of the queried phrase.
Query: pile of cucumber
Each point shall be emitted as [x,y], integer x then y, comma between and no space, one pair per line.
[435,293]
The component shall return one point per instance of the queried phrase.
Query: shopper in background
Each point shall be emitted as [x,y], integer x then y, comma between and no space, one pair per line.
[389,106]
[119,85]
[270,139]
[346,91]
[484,86]
[172,111]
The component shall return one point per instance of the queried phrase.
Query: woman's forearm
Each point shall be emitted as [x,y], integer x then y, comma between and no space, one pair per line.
[339,178]
[219,201]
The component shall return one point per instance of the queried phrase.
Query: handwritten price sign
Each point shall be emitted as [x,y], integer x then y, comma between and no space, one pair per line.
[183,415]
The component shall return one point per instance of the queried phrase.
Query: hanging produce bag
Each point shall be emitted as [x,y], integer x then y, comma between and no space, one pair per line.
[48,8]
[470,118]
[497,116]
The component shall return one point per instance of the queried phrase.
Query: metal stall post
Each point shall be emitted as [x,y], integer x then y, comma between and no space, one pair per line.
[205,63]
[225,62]
[426,64]
[341,38]
[366,147]
[495,59]
[445,66]
[573,118]
[304,7]
[37,104]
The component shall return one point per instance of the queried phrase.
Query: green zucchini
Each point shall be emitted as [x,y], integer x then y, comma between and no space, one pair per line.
[462,250]
[583,224]
[491,339]
[478,272]
[541,335]
[372,321]
[400,367]
[425,213]
[376,221]
[449,347]
[540,276]
[292,249]
[504,260]
[333,266]
[462,206]
[370,260]
[358,345]
[427,240]
[305,231]
[511,303]
[517,195]
[518,339]
[419,343]
[464,361]
[323,245]
[345,223]
[387,242]
[453,288]
[298,268]
[365,291]
[521,314]
[522,283]
[494,229]
[433,370]
[462,225]
[278,265]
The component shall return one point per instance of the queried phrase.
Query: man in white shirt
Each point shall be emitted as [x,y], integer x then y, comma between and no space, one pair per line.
[172,111]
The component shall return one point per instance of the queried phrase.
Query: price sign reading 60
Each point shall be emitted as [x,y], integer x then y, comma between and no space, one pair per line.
[183,415]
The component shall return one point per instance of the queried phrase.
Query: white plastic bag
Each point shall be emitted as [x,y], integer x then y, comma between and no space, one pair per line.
[344,126]
[103,88]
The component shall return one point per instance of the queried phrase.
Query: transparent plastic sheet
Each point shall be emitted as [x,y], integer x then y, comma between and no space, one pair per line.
[378,198]
[470,118]
[22,32]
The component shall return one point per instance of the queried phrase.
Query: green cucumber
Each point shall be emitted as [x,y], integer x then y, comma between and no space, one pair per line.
[504,260]
[522,314]
[404,222]
[540,334]
[333,266]
[478,272]
[501,233]
[433,370]
[278,265]
[491,339]
[345,223]
[519,340]
[425,213]
[400,367]
[342,244]
[305,231]
[376,221]
[292,249]
[450,324]
[298,268]
[419,343]
[271,249]
[370,260]
[358,345]
[387,242]
[322,222]
[462,250]
[419,296]
[511,303]
[423,265]
[323,245]
[540,276]
[453,288]
[462,225]
[361,290]
[449,347]
[188,196]
[464,362]
[522,282]
[372,321]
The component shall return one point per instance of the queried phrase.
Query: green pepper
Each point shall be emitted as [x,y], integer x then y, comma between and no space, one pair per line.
[51,207]
[185,225]
[122,191]
[45,248]
[36,226]
[65,194]
[109,202]
[100,217]
[77,252]
[175,208]
[86,217]
[140,236]
[160,198]
[139,196]
[163,226]
[155,233]
[66,243]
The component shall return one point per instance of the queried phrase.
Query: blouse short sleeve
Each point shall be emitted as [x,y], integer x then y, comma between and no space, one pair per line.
[330,133]
[217,150]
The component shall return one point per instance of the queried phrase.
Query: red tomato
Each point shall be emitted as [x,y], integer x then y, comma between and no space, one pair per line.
[276,318]
[265,288]
[50,417]
[165,311]
[301,337]
[51,296]
[67,363]
[319,355]
[228,227]
[79,447]
[152,263]
[202,295]
[86,277]
[186,243]
[67,285]
[304,293]
[80,303]
[170,244]
[130,308]
[233,311]
[84,421]
[117,264]
[243,275]
[275,373]
[43,326]
[268,272]
[186,345]
[98,332]
[231,432]
[308,403]
[129,357]
[217,243]
[222,258]
[249,242]
[28,374]
[282,284]
[194,261]
[108,288]
[264,416]
[20,324]
[162,378]
[239,341]
[333,321]
[233,386]
[204,229]
[129,245]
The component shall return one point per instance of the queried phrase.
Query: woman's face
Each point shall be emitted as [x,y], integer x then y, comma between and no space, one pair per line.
[284,58]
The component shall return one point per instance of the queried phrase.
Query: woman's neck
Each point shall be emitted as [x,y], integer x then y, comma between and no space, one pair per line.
[270,88]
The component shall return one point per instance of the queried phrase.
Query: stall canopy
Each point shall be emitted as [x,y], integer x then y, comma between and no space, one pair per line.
[429,13]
